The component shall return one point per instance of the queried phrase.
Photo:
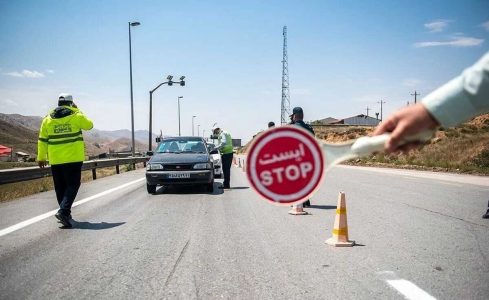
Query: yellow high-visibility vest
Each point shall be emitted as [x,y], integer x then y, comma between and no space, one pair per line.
[60,137]
[228,147]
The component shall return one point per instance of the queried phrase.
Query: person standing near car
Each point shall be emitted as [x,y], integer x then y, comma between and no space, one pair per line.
[297,118]
[225,145]
[61,145]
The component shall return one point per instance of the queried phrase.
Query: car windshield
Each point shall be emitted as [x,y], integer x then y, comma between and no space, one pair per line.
[181,146]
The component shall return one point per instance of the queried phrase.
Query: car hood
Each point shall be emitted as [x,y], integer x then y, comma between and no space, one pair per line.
[179,158]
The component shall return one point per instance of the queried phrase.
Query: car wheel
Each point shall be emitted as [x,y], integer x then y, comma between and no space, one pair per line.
[151,188]
[210,187]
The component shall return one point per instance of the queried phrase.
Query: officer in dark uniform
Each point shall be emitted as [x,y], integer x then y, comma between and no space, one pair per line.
[297,118]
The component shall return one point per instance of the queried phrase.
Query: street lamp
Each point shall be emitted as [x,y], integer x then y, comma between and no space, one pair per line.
[179,97]
[203,133]
[193,117]
[169,82]
[198,130]
[130,77]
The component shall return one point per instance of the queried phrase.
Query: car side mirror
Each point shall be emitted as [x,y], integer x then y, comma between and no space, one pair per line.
[214,152]
[149,153]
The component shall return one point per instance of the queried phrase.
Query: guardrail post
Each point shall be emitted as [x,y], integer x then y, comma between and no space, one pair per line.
[117,169]
[94,174]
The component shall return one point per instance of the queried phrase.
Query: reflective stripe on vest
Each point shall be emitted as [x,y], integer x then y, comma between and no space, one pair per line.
[77,137]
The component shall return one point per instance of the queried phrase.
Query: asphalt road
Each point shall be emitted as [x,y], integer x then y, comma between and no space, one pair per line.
[420,235]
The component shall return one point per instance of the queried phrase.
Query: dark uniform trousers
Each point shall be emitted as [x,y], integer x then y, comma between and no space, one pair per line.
[66,179]
[227,160]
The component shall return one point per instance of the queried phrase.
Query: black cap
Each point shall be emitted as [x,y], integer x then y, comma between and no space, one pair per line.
[297,110]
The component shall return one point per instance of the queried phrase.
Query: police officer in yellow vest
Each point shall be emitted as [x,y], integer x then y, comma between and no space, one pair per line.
[61,145]
[225,145]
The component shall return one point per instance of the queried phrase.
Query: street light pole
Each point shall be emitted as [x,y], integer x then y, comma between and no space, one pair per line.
[170,82]
[150,120]
[130,78]
[193,117]
[179,133]
[198,130]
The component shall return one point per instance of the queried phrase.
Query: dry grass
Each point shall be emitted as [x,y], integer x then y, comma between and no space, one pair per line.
[16,190]
[463,149]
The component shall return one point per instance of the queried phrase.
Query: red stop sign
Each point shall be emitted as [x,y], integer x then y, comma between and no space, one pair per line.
[285,165]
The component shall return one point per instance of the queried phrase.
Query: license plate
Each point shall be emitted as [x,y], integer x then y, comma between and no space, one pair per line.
[179,175]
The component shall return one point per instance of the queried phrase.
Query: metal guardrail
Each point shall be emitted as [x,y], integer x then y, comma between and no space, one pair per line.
[29,173]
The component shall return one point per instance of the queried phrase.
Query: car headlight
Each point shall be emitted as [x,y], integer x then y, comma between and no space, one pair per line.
[150,167]
[202,166]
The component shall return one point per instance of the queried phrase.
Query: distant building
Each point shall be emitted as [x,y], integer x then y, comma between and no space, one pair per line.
[22,156]
[236,142]
[326,121]
[359,120]
[5,153]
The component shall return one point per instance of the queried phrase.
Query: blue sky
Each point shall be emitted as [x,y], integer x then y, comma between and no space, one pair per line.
[343,57]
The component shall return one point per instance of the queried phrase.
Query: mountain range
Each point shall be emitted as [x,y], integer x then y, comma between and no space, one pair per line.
[21,133]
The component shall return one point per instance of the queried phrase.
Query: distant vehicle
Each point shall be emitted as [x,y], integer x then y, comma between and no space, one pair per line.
[180,161]
[216,157]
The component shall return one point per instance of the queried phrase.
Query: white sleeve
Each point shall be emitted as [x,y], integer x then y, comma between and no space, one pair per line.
[223,140]
[463,97]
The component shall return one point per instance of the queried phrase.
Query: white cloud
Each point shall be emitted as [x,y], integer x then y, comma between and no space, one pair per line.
[26,74]
[411,82]
[456,41]
[437,25]
[50,71]
[485,25]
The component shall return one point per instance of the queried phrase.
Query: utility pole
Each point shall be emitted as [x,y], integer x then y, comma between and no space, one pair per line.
[285,104]
[415,94]
[179,97]
[368,109]
[381,116]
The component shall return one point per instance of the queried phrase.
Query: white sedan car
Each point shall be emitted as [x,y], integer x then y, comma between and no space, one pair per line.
[216,157]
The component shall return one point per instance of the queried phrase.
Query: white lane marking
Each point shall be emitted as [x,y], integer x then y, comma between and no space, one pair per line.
[53,212]
[410,290]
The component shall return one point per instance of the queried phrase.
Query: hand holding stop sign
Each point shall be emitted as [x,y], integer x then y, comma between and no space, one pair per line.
[286,164]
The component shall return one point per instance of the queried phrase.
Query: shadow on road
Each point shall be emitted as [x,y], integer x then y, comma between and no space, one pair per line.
[322,206]
[94,226]
[188,189]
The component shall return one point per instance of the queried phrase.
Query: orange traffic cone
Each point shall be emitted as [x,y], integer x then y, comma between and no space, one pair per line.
[340,230]
[297,210]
